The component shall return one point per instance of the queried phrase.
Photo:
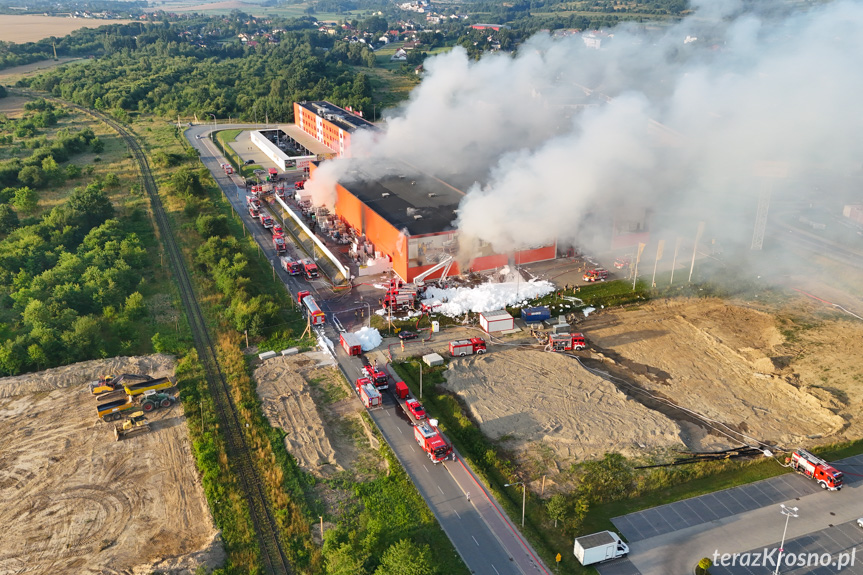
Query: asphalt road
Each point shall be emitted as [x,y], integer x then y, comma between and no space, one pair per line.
[673,538]
[480,531]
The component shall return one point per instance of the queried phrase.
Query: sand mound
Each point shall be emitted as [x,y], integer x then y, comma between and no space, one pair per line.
[285,387]
[81,502]
[719,360]
[528,396]
[80,374]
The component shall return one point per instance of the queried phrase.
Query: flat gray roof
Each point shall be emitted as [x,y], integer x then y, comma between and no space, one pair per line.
[341,118]
[409,200]
[595,540]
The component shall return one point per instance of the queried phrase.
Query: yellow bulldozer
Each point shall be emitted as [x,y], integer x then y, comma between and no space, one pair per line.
[135,425]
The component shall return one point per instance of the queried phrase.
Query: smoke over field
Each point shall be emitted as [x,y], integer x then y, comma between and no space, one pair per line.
[690,130]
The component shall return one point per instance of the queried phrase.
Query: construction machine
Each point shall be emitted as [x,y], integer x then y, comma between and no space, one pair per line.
[135,425]
[110,382]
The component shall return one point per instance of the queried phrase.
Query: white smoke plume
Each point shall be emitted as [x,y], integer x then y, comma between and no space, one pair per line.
[547,141]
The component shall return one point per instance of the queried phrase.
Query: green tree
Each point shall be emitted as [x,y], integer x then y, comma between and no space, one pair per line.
[135,308]
[212,226]
[73,171]
[97,145]
[26,200]
[32,176]
[187,183]
[556,507]
[91,205]
[406,558]
[345,561]
[111,180]
[8,219]
[51,170]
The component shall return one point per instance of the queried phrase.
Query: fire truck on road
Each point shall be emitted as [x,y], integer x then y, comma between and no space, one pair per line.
[432,442]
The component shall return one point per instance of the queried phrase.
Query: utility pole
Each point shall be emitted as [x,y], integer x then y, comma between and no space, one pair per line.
[695,247]
[523,497]
[788,512]
[421,379]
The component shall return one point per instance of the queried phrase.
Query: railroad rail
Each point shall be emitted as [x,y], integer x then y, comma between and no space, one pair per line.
[273,555]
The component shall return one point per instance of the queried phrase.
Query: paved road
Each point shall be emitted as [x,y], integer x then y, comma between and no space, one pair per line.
[672,538]
[480,531]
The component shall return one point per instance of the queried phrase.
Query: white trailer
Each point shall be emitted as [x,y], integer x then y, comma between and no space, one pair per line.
[498,320]
[599,547]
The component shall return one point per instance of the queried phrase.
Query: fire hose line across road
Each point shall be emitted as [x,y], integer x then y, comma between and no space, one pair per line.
[273,555]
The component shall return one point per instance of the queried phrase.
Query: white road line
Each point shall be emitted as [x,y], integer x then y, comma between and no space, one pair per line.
[474,540]
[427,468]
[456,512]
[439,489]
[400,429]
[495,568]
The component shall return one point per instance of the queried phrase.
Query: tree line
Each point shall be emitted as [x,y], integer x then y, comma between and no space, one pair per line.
[168,76]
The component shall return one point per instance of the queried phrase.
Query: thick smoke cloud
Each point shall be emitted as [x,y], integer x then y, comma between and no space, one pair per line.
[551,139]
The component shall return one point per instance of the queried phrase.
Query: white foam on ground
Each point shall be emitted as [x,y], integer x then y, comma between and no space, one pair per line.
[369,338]
[485,297]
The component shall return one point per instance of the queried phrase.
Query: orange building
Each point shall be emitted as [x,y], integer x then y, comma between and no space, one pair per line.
[330,125]
[410,217]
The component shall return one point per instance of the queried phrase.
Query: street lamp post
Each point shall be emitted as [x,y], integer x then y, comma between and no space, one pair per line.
[788,512]
[214,122]
[523,497]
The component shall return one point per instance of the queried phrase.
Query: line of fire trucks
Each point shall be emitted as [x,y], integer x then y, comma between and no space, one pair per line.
[426,433]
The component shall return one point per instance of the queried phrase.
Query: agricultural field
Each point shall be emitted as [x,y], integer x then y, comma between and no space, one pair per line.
[32,27]
[82,502]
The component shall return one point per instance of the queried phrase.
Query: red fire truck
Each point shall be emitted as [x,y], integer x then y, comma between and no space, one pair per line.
[316,315]
[465,347]
[378,376]
[370,396]
[291,266]
[827,476]
[566,341]
[432,442]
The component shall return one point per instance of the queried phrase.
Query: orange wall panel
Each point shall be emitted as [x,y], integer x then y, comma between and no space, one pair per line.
[415,271]
[536,255]
[488,262]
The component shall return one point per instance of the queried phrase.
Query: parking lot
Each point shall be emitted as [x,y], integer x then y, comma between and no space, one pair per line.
[836,546]
[717,509]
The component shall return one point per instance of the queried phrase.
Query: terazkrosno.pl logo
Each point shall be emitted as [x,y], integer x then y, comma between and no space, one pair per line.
[773,557]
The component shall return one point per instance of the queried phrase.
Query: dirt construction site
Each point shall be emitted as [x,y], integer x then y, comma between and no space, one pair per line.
[697,374]
[77,501]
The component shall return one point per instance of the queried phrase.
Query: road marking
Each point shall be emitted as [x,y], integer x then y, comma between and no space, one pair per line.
[439,489]
[400,429]
[456,512]
[495,568]
[474,540]
[427,468]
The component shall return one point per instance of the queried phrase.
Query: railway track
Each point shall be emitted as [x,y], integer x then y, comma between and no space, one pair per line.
[272,554]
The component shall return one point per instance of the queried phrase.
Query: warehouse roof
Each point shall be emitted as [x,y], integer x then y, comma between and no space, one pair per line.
[345,120]
[407,199]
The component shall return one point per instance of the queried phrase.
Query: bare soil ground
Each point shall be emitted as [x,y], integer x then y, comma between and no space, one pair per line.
[787,375]
[524,395]
[307,397]
[80,502]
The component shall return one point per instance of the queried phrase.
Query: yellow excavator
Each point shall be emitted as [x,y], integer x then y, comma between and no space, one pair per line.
[135,425]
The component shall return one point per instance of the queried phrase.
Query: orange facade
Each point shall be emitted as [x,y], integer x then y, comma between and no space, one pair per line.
[323,130]
[388,240]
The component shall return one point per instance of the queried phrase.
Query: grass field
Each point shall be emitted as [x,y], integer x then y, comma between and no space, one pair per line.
[32,27]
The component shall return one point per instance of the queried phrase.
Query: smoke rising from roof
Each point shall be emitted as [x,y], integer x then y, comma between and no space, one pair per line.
[549,142]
